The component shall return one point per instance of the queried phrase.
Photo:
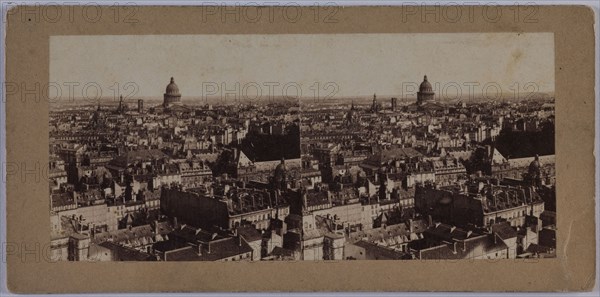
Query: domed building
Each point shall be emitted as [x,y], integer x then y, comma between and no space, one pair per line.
[172,95]
[425,92]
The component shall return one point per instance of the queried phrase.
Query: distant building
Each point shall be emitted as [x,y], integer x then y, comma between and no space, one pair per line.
[425,92]
[172,95]
[394,104]
[375,107]
[122,108]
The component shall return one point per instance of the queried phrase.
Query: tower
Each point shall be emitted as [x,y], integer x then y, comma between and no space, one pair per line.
[172,95]
[351,115]
[425,92]
[394,104]
[140,106]
[375,106]
[121,108]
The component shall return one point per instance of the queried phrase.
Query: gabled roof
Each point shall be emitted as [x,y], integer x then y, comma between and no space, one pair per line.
[504,230]
[498,158]
[249,233]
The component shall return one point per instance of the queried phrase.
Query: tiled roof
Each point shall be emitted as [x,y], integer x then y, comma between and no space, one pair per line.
[249,233]
[504,230]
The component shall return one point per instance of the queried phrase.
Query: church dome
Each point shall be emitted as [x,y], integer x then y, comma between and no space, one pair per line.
[172,88]
[425,86]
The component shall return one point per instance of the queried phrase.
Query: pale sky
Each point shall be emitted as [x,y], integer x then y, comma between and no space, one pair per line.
[359,64]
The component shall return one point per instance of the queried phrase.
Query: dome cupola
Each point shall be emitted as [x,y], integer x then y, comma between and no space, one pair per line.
[425,86]
[172,88]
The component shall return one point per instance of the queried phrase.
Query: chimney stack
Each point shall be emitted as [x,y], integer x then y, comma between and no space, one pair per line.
[304,201]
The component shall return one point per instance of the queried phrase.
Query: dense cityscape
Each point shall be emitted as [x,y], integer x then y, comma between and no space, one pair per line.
[363,179]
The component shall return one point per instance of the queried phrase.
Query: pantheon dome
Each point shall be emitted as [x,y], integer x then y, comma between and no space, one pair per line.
[425,92]
[172,95]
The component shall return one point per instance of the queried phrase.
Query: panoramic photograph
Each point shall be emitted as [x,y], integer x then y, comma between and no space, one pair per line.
[298,147]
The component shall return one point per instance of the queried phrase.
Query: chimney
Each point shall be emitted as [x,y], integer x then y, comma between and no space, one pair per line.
[429,221]
[305,200]
[411,226]
[454,247]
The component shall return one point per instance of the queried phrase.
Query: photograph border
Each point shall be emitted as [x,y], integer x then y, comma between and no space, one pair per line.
[27,66]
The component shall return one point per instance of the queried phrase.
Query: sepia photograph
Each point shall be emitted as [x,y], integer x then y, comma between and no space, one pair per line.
[281,148]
